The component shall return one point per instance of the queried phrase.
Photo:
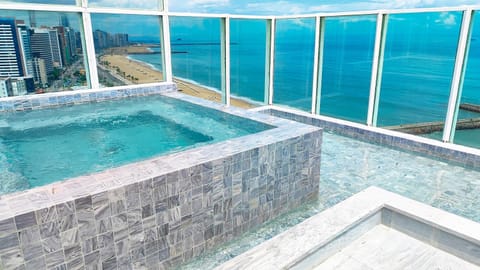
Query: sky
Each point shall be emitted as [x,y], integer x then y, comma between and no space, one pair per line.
[288,7]
[129,23]
[266,7]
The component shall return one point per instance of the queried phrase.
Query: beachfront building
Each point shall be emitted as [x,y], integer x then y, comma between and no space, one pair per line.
[22,86]
[120,40]
[5,87]
[101,39]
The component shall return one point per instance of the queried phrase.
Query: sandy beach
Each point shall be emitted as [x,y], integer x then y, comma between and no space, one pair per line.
[138,73]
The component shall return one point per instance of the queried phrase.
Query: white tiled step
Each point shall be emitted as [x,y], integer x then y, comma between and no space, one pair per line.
[386,248]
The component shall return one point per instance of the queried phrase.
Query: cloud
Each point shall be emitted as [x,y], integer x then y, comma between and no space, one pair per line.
[138,4]
[291,7]
[447,19]
[278,7]
[213,6]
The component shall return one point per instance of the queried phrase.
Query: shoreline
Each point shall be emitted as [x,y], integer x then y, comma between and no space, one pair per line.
[139,72]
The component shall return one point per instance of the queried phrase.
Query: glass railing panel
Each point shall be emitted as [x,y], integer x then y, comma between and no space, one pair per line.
[293,71]
[196,56]
[247,62]
[347,67]
[146,5]
[468,121]
[419,60]
[126,53]
[40,52]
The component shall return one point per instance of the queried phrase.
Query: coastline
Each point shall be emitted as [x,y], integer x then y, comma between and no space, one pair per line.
[138,72]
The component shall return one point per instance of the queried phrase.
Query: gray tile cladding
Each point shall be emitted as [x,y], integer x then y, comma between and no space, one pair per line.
[167,219]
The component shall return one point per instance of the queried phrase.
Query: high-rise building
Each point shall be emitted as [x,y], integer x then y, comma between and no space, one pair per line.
[64,21]
[33,19]
[26,51]
[11,61]
[120,40]
[104,39]
[101,39]
[64,44]
[71,39]
[41,47]
[40,72]
[78,42]
[66,37]
[56,48]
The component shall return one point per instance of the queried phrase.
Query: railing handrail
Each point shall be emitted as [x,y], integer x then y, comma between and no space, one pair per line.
[121,10]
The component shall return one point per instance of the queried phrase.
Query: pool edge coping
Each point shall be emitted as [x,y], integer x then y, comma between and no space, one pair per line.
[38,198]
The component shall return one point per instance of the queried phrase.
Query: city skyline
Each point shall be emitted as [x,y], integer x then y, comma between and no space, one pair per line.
[33,55]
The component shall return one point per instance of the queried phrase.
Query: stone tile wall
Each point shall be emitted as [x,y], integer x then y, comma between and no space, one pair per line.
[168,219]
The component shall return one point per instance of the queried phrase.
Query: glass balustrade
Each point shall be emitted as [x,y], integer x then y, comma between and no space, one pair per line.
[347,67]
[418,64]
[196,56]
[468,121]
[126,53]
[41,52]
[293,69]
[247,61]
[46,51]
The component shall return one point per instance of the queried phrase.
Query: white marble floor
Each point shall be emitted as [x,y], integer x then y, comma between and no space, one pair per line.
[385,248]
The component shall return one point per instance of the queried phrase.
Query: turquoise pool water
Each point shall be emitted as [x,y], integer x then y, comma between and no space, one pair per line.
[349,166]
[44,146]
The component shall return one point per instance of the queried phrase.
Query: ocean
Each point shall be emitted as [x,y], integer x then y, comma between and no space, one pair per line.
[418,64]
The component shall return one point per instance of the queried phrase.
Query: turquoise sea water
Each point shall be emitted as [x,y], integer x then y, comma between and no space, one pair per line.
[418,65]
[44,146]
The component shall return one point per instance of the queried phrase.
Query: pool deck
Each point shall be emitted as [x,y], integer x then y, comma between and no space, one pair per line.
[362,230]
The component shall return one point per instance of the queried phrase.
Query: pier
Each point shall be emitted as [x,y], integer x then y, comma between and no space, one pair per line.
[430,127]
[470,107]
